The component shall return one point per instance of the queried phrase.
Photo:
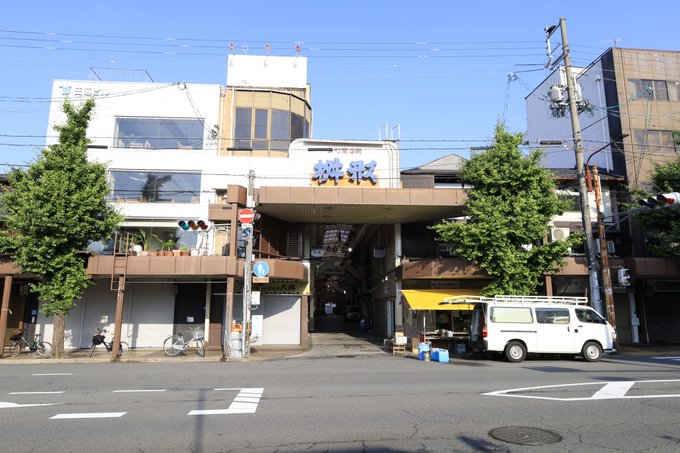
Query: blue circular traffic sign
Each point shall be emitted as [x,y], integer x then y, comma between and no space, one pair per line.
[260,269]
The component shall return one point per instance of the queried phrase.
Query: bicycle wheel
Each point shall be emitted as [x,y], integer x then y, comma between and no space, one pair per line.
[123,349]
[92,348]
[200,346]
[173,345]
[44,349]
[16,349]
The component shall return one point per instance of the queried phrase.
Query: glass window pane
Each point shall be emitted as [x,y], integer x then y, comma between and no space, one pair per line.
[180,134]
[261,123]
[156,187]
[297,126]
[243,127]
[280,137]
[552,315]
[511,314]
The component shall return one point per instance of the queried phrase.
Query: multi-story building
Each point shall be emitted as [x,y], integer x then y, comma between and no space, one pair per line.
[328,212]
[630,104]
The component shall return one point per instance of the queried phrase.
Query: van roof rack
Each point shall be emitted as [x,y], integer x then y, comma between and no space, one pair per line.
[573,300]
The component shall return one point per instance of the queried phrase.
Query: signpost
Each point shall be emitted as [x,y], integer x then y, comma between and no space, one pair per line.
[246,215]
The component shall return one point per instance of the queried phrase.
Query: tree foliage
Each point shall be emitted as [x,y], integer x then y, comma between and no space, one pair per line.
[663,225]
[52,210]
[511,200]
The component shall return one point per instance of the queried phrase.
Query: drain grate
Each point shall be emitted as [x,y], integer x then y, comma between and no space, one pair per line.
[525,435]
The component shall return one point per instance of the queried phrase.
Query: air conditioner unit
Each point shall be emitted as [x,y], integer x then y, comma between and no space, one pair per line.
[559,234]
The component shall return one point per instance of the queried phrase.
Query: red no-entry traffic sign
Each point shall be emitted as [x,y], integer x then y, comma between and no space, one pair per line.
[246,215]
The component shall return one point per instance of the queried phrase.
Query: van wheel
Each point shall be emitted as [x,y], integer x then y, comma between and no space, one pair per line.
[591,351]
[515,351]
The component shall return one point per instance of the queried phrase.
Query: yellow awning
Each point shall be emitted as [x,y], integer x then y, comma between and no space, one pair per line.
[429,299]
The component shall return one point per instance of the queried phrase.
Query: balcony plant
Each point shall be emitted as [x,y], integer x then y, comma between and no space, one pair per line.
[145,238]
[168,246]
[185,251]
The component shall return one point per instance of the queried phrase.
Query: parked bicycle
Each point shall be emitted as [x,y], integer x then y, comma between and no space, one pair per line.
[42,348]
[100,338]
[177,344]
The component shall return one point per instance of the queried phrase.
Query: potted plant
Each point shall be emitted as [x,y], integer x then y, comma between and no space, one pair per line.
[185,251]
[145,238]
[168,246]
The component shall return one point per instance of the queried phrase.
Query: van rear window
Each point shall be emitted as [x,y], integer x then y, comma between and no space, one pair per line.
[512,314]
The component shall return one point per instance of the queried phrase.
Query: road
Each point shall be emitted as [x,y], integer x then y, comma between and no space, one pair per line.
[342,404]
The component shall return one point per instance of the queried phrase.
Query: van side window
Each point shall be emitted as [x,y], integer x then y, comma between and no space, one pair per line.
[512,314]
[552,315]
[589,315]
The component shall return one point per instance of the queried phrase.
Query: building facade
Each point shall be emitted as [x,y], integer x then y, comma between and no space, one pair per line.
[630,105]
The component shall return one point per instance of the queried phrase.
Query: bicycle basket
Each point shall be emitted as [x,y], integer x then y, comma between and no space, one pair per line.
[15,337]
[98,339]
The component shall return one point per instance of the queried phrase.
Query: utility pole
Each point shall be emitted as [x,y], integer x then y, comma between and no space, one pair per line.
[604,253]
[580,171]
[248,231]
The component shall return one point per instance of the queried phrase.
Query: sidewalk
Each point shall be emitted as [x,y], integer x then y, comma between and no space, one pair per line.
[322,345]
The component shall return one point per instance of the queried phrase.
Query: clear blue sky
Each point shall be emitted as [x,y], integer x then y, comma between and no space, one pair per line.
[438,69]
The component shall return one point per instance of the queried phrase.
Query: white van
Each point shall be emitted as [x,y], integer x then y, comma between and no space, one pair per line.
[521,325]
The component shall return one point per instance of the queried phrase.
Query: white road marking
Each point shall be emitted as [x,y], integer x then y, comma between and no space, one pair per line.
[88,415]
[139,391]
[34,393]
[7,405]
[52,374]
[610,390]
[676,359]
[245,403]
[613,390]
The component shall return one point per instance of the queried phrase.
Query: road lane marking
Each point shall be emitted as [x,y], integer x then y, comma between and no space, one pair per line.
[245,403]
[52,374]
[88,415]
[8,405]
[613,390]
[140,391]
[675,359]
[609,390]
[34,393]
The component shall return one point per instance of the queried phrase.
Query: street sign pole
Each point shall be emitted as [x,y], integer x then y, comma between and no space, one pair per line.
[247,226]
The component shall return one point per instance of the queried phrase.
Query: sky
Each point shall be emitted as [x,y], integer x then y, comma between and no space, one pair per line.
[437,75]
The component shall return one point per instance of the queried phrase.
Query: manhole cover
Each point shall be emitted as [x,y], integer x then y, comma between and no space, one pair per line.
[524,435]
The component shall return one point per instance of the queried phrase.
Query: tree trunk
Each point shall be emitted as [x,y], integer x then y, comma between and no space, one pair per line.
[58,335]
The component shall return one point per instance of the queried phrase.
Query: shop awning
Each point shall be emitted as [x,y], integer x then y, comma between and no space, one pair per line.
[429,299]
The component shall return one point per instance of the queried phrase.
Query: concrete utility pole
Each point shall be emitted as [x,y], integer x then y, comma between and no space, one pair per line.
[248,231]
[604,253]
[580,171]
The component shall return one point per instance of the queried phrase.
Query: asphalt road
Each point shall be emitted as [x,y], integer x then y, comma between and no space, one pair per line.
[371,403]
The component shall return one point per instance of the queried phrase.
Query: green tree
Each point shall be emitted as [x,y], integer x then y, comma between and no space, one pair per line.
[52,211]
[511,200]
[663,225]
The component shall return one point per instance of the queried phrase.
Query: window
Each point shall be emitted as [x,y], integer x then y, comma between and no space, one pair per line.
[280,128]
[655,140]
[261,128]
[650,89]
[520,315]
[589,315]
[242,132]
[552,315]
[156,187]
[158,133]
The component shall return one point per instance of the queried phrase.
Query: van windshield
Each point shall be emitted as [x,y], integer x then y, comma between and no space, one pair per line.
[589,315]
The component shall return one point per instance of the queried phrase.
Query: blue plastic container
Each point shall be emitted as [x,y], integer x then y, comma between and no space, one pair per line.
[440,355]
[423,347]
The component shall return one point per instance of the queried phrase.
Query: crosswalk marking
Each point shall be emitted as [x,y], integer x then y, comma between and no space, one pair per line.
[35,393]
[140,391]
[613,390]
[88,415]
[52,374]
[245,403]
[8,405]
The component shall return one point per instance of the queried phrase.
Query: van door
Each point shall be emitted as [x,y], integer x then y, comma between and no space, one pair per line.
[554,334]
[591,326]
